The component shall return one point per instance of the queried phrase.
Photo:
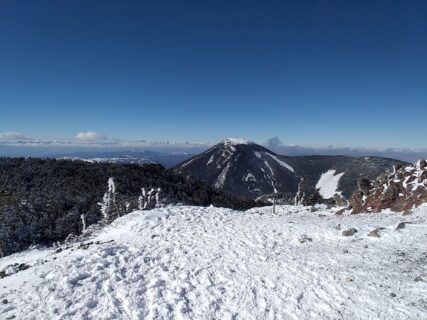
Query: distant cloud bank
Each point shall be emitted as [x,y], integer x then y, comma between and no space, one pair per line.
[12,136]
[90,136]
[17,144]
[405,154]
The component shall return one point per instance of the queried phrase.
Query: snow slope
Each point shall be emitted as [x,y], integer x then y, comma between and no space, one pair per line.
[211,263]
[328,184]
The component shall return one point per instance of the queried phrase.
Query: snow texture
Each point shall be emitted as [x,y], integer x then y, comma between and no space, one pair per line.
[328,184]
[236,141]
[271,177]
[211,263]
[211,159]
[222,176]
[257,154]
[282,163]
[249,177]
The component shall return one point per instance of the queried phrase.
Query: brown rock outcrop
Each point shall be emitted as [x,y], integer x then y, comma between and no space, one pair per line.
[400,190]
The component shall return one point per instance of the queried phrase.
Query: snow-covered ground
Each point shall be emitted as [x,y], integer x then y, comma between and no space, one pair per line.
[210,263]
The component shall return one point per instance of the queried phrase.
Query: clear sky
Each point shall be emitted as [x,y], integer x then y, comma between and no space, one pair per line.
[344,73]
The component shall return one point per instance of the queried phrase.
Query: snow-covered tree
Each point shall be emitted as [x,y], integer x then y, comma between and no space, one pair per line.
[108,205]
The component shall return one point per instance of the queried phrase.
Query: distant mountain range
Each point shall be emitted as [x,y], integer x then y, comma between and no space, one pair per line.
[250,170]
[247,169]
[167,160]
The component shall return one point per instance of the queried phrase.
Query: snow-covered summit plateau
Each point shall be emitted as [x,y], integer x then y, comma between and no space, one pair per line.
[211,263]
[236,141]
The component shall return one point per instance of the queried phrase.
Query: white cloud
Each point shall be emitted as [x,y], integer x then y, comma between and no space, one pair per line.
[12,136]
[90,136]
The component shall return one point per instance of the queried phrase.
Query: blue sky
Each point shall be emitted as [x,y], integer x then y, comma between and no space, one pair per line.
[313,73]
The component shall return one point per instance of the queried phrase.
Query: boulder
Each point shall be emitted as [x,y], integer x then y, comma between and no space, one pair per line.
[349,232]
[304,238]
[364,185]
[375,233]
[401,225]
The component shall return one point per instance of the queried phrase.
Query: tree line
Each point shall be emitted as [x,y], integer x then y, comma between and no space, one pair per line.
[43,201]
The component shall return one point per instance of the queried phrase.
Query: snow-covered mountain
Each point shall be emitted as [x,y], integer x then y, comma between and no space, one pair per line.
[242,167]
[131,156]
[212,263]
[247,169]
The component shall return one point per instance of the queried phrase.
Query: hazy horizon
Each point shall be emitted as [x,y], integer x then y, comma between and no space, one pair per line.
[39,148]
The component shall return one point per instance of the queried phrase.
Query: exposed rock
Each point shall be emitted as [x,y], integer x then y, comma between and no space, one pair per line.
[401,225]
[364,185]
[375,233]
[340,211]
[401,254]
[304,238]
[418,279]
[400,190]
[339,200]
[23,266]
[349,232]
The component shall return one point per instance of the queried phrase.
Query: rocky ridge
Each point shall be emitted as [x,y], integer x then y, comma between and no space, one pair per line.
[402,189]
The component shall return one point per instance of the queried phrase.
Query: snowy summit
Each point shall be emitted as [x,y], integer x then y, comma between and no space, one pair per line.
[236,141]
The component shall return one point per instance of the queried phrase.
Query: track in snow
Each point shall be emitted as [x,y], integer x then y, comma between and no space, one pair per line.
[210,263]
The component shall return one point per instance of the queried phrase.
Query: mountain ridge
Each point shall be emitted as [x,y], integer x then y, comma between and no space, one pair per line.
[247,169]
[166,159]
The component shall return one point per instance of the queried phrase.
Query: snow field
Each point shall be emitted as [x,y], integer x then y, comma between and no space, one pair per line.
[212,263]
[328,184]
